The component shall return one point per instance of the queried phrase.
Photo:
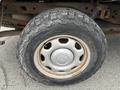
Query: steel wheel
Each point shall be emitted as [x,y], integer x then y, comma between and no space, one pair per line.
[62,56]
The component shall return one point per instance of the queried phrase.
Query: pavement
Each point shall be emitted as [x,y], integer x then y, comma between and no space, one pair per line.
[13,78]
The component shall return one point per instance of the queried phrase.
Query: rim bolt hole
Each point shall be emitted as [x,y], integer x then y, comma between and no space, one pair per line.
[61,71]
[73,67]
[63,40]
[81,58]
[48,45]
[42,58]
[77,46]
[48,67]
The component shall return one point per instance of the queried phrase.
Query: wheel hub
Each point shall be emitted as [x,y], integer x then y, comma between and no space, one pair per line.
[62,57]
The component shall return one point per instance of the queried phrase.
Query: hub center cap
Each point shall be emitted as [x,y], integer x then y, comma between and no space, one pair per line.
[62,57]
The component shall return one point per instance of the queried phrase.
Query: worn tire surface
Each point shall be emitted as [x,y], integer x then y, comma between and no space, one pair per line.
[55,22]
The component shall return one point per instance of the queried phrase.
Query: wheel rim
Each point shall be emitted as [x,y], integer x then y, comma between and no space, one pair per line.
[62,56]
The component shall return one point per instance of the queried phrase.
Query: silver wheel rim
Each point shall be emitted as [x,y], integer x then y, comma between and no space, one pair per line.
[62,56]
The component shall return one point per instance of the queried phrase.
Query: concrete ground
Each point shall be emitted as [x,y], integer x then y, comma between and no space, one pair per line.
[13,78]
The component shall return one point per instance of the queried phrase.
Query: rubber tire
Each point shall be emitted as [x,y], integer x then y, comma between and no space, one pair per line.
[61,21]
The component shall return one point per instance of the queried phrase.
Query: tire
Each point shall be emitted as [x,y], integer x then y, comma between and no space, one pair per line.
[61,21]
